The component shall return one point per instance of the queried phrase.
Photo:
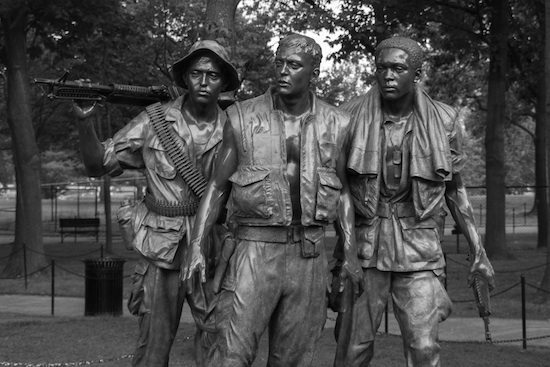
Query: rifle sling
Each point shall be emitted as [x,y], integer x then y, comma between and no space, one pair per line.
[181,161]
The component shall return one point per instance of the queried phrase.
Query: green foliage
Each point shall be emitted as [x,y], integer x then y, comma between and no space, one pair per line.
[7,173]
[343,82]
[60,166]
[135,42]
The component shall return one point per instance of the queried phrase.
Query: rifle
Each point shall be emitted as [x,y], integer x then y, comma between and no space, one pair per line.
[228,248]
[482,298]
[113,93]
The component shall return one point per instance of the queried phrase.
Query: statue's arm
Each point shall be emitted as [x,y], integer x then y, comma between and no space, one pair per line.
[211,205]
[350,267]
[91,149]
[462,212]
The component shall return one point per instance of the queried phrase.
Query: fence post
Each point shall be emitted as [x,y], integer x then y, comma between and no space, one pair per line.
[480,214]
[78,199]
[514,220]
[386,318]
[25,263]
[52,194]
[95,201]
[523,327]
[53,286]
[55,210]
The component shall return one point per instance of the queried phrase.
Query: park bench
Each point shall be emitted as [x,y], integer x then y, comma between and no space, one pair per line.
[74,226]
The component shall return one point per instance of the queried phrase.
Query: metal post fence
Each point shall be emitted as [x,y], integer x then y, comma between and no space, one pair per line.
[480,214]
[53,286]
[386,323]
[514,220]
[523,313]
[25,264]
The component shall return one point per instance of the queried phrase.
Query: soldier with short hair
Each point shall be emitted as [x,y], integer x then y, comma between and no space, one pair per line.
[405,157]
[282,168]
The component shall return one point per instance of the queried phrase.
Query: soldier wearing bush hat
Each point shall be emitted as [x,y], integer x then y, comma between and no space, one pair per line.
[158,226]
[212,48]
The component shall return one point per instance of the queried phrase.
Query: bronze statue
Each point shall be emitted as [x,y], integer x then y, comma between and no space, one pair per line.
[405,157]
[175,144]
[282,171]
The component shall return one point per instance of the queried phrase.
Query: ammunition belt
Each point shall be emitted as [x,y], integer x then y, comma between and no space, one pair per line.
[181,209]
[181,161]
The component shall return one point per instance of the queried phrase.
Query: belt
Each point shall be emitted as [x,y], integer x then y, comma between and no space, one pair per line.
[399,210]
[274,234]
[171,209]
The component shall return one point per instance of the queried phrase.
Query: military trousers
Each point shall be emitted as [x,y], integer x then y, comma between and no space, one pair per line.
[157,299]
[420,303]
[271,286]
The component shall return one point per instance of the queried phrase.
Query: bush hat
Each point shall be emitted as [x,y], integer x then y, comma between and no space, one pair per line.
[207,47]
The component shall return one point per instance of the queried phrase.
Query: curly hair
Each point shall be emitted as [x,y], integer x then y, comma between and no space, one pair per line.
[410,46]
[303,44]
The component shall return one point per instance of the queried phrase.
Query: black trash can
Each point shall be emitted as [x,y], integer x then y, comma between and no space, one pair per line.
[103,286]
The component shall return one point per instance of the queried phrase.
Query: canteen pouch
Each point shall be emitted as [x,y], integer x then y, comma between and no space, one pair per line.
[312,240]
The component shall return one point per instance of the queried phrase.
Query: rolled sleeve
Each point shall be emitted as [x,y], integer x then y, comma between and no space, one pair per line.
[124,149]
[458,155]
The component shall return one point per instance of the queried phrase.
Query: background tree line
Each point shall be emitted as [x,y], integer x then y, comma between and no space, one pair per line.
[486,57]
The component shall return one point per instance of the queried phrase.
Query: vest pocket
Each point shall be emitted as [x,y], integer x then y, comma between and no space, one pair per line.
[328,194]
[251,194]
[421,239]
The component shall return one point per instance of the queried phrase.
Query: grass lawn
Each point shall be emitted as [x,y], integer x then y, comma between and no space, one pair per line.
[110,340]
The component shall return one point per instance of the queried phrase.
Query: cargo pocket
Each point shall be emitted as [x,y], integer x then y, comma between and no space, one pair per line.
[421,238]
[328,194]
[136,295]
[161,237]
[251,193]
[312,239]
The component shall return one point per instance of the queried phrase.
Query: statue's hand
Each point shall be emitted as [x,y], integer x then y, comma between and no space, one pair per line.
[193,262]
[83,109]
[351,270]
[481,266]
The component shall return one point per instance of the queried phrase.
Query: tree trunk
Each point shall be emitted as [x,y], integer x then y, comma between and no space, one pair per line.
[220,26]
[107,194]
[542,296]
[28,217]
[541,174]
[220,23]
[495,239]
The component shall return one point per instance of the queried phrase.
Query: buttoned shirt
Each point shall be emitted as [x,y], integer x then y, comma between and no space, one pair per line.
[399,198]
[136,146]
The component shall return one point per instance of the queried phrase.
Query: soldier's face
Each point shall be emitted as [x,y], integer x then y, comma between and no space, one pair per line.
[294,72]
[204,80]
[395,74]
